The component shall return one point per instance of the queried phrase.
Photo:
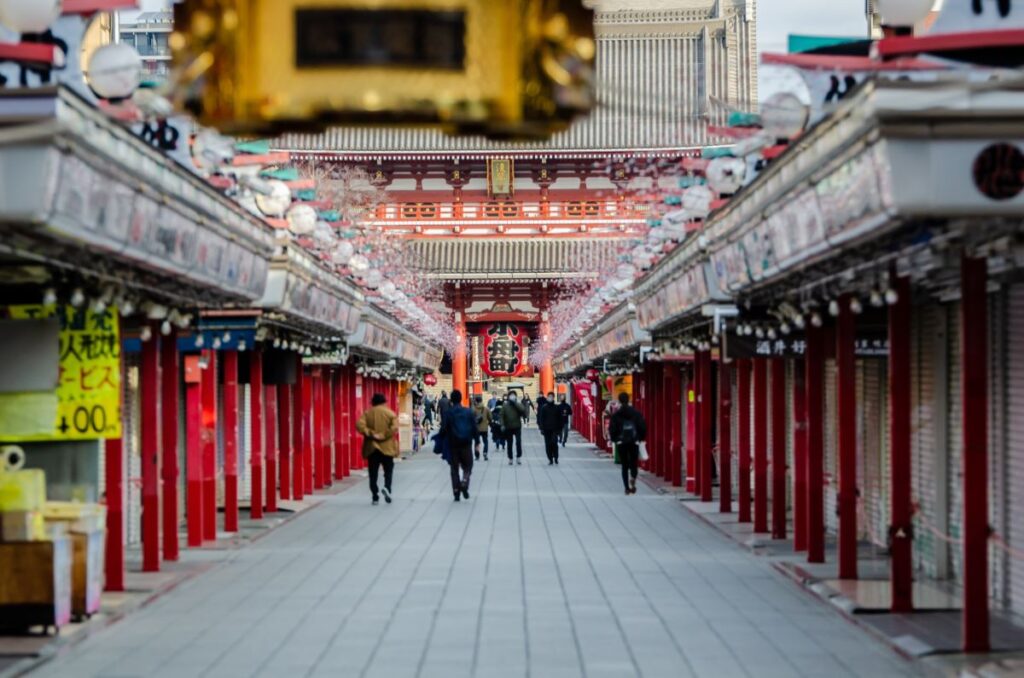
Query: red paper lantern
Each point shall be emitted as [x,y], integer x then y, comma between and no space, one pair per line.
[430,380]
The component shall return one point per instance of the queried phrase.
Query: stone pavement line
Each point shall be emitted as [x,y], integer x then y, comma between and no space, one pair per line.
[480,611]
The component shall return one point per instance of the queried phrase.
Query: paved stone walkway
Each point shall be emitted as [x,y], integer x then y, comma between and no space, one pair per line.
[547,571]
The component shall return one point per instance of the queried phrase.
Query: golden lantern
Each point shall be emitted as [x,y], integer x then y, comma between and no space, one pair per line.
[504,68]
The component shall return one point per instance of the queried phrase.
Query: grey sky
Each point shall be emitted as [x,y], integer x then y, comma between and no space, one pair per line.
[777,19]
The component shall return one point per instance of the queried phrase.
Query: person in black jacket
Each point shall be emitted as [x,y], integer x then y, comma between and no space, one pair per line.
[565,410]
[549,421]
[627,430]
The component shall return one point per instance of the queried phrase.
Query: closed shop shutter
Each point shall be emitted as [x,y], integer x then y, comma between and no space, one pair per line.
[790,428]
[831,448]
[955,438]
[873,445]
[131,442]
[925,454]
[244,444]
[997,450]
[1014,468]
[734,422]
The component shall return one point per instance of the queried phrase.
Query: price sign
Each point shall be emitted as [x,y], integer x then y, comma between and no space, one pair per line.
[89,382]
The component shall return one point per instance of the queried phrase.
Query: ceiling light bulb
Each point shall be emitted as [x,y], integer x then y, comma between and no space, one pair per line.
[165,327]
[216,343]
[200,341]
[145,334]
[892,297]
[49,297]
[856,307]
[876,299]
[759,333]
[771,333]
[785,328]
[833,308]
[799,322]
[127,307]
[816,320]
[77,297]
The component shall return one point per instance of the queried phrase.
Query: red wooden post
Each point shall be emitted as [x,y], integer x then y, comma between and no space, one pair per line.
[976,531]
[902,527]
[271,442]
[316,427]
[340,451]
[355,395]
[194,448]
[284,436]
[743,431]
[308,444]
[231,441]
[814,377]
[114,553]
[846,413]
[706,407]
[326,429]
[169,379]
[256,447]
[698,450]
[760,445]
[149,378]
[675,398]
[799,456]
[778,448]
[210,446]
[724,437]
[691,431]
[653,407]
[299,413]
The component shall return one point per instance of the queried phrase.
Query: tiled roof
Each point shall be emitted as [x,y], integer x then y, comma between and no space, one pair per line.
[513,258]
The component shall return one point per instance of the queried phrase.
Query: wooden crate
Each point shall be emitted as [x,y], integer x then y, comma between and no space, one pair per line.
[35,584]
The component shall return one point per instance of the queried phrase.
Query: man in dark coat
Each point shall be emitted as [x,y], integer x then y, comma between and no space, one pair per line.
[565,413]
[443,405]
[549,421]
[627,430]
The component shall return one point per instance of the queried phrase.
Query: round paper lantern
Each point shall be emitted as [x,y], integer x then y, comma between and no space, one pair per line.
[277,201]
[302,220]
[725,175]
[323,235]
[359,265]
[784,116]
[29,16]
[626,271]
[388,289]
[697,201]
[343,253]
[373,278]
[904,13]
[210,149]
[115,71]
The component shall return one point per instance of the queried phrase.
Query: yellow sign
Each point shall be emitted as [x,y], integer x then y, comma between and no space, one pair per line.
[89,383]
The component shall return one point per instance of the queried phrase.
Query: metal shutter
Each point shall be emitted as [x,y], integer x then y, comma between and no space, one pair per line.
[831,448]
[873,448]
[790,445]
[131,442]
[1014,476]
[734,423]
[954,423]
[926,457]
[244,445]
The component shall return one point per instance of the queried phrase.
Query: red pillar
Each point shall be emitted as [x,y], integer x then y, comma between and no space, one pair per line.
[256,447]
[691,431]
[706,406]
[231,441]
[675,413]
[284,436]
[655,409]
[902,527]
[298,413]
[814,376]
[194,449]
[114,555]
[743,431]
[974,385]
[327,425]
[760,445]
[698,450]
[724,437]
[799,456]
[149,378]
[778,448]
[170,471]
[308,442]
[210,446]
[340,451]
[355,408]
[271,442]
[846,414]
[316,442]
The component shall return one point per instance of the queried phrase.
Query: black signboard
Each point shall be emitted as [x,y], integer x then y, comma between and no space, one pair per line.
[868,344]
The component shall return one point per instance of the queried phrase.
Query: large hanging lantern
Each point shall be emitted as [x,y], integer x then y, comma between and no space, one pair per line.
[115,71]
[697,201]
[784,116]
[373,278]
[29,16]
[359,265]
[302,220]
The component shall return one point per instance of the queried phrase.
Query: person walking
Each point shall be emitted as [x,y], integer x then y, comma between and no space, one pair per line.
[378,426]
[493,402]
[497,431]
[565,415]
[458,425]
[549,421]
[528,406]
[428,412]
[627,430]
[443,406]
[512,413]
[483,425]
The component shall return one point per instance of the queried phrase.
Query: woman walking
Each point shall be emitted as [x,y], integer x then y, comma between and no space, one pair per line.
[379,426]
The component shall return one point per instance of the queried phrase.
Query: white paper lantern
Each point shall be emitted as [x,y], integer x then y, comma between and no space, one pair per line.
[904,13]
[783,115]
[697,201]
[359,265]
[388,289]
[725,175]
[115,71]
[625,270]
[343,252]
[302,220]
[373,278]
[277,201]
[324,236]
[29,16]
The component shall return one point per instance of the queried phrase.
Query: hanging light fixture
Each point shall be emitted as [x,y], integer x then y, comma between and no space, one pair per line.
[115,71]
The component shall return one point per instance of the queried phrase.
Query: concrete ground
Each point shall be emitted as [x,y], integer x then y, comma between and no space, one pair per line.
[546,571]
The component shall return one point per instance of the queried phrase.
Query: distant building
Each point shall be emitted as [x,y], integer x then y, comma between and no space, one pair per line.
[148,33]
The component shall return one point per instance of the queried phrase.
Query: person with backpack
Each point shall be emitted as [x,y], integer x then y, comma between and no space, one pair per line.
[378,426]
[627,430]
[460,430]
[549,421]
[483,425]
[512,413]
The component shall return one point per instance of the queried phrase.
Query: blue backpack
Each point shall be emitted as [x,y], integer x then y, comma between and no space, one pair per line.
[463,424]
